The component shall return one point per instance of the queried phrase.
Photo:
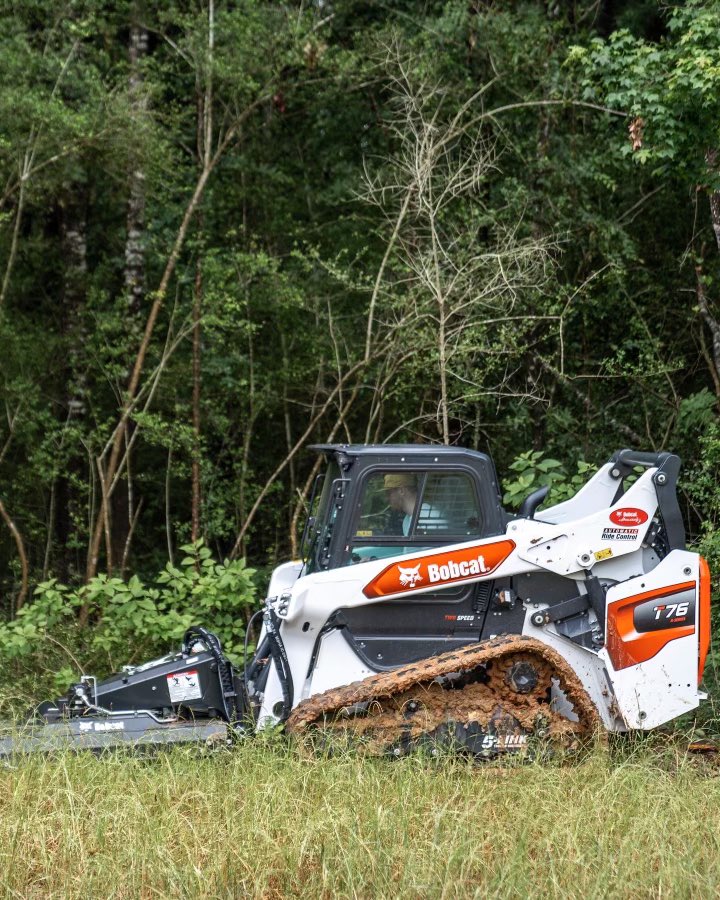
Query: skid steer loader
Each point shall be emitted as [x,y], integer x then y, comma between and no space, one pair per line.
[422,612]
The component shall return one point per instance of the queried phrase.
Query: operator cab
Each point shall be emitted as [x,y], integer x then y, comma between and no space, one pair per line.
[392,500]
[384,500]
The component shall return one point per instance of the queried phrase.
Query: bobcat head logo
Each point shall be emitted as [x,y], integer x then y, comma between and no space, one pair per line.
[410,577]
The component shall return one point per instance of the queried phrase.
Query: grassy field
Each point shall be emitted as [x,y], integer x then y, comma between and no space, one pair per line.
[265,821]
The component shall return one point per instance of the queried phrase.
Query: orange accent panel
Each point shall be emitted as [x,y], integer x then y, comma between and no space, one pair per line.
[704,617]
[627,647]
[412,574]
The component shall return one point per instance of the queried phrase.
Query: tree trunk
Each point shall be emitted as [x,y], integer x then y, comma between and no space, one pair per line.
[709,319]
[712,158]
[123,508]
[196,376]
[19,543]
[68,510]
[715,215]
[134,274]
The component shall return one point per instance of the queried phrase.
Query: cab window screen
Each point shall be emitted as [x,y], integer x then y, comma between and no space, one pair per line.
[449,506]
[403,512]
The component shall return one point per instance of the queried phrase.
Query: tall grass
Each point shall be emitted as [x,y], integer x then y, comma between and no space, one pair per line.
[266,821]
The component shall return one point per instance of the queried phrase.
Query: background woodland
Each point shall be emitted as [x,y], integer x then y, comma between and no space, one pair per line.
[229,230]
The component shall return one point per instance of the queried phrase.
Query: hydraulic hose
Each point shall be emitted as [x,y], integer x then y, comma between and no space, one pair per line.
[282,665]
[258,649]
[226,675]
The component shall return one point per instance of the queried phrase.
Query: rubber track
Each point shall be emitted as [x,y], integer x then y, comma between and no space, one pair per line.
[310,712]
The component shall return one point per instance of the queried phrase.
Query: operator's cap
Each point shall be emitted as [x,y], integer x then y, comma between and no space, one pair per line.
[400,479]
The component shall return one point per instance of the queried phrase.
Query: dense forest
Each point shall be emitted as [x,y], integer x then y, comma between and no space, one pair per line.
[230,230]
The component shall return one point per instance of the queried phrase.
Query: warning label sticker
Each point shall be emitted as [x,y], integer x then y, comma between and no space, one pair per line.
[184,686]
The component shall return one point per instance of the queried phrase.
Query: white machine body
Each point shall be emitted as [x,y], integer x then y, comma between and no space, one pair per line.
[649,632]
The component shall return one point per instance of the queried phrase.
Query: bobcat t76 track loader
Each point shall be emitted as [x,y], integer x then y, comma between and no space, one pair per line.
[423,611]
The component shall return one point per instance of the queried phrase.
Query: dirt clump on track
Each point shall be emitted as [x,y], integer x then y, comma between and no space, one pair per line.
[499,688]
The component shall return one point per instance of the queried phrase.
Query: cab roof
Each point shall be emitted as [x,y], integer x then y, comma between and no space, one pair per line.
[405,450]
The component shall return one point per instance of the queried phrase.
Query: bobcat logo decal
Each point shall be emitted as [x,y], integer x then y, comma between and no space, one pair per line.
[410,577]
[475,561]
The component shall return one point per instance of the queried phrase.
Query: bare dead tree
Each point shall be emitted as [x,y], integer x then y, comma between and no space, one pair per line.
[462,292]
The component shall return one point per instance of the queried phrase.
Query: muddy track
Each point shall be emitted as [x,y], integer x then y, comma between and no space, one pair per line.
[412,701]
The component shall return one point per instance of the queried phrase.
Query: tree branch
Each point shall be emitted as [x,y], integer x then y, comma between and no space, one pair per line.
[19,543]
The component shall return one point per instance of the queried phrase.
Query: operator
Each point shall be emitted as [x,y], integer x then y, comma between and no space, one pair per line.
[401,491]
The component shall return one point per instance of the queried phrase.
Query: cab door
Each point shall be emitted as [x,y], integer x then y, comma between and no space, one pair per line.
[440,507]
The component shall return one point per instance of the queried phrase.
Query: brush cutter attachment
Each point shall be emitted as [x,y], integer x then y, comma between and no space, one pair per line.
[190,696]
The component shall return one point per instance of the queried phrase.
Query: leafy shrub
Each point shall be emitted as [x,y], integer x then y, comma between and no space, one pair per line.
[128,621]
[531,471]
[703,487]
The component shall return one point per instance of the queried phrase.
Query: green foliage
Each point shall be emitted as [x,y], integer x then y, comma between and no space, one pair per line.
[697,413]
[131,616]
[532,470]
[602,328]
[672,85]
[704,490]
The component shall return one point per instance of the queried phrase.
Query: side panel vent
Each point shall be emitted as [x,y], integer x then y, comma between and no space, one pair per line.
[483,594]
